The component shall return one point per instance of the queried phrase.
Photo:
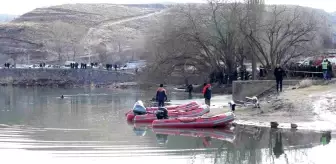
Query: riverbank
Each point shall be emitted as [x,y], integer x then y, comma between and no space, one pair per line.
[63,77]
[311,108]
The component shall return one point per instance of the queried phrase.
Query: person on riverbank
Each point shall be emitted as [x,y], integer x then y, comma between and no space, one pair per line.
[190,89]
[325,69]
[161,96]
[207,93]
[232,106]
[279,73]
[329,70]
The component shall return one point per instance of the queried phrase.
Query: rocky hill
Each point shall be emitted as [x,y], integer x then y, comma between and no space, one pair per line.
[81,32]
[47,34]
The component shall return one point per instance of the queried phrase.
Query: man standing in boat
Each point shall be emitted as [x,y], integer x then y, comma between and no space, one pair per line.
[207,93]
[161,96]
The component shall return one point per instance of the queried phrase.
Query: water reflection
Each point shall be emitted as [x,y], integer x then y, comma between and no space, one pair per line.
[278,147]
[240,145]
[140,131]
[89,125]
[162,139]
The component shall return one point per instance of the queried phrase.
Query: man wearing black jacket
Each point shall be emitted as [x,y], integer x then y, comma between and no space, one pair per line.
[279,73]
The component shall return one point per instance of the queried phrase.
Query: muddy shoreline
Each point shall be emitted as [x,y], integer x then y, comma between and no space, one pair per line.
[310,108]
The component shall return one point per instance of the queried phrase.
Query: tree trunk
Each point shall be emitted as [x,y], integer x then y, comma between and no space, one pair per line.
[254,67]
[74,55]
[59,58]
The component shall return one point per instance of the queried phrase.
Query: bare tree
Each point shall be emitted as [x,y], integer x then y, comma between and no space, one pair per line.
[203,37]
[76,40]
[14,56]
[101,49]
[66,37]
[254,13]
[219,36]
[284,34]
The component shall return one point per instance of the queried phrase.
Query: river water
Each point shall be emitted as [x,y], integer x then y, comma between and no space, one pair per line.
[89,125]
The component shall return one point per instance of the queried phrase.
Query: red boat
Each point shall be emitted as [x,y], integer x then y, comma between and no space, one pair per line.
[195,122]
[192,105]
[191,112]
[215,133]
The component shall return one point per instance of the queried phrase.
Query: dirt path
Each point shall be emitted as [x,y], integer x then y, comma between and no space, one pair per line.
[111,22]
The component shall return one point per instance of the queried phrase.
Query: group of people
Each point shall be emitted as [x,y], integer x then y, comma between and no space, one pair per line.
[42,65]
[74,65]
[7,65]
[161,94]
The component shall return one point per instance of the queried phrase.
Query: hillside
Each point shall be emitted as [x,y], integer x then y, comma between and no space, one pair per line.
[103,32]
[36,33]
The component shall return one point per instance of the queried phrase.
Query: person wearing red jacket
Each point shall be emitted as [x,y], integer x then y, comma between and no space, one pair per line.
[207,93]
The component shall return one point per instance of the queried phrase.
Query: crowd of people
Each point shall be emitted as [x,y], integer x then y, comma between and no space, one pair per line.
[324,70]
[279,73]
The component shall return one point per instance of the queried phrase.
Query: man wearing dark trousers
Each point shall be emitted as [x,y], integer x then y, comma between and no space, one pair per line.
[279,73]
[161,96]
[207,93]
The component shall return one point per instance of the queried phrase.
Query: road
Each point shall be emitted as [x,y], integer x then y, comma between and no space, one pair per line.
[111,22]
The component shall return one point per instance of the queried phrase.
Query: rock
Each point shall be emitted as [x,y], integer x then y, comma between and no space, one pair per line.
[294,126]
[234,124]
[274,125]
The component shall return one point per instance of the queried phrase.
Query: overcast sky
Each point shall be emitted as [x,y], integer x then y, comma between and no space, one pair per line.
[18,7]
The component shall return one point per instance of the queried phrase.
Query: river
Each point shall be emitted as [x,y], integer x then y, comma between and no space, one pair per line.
[89,125]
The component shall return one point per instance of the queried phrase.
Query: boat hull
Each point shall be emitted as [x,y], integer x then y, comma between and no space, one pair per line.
[224,134]
[195,122]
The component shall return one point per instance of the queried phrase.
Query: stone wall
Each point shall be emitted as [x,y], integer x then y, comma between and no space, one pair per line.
[242,89]
[62,77]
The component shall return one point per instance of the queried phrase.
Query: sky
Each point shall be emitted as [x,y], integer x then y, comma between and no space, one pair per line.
[18,7]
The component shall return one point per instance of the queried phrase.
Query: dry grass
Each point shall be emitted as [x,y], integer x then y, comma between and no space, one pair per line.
[305,83]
